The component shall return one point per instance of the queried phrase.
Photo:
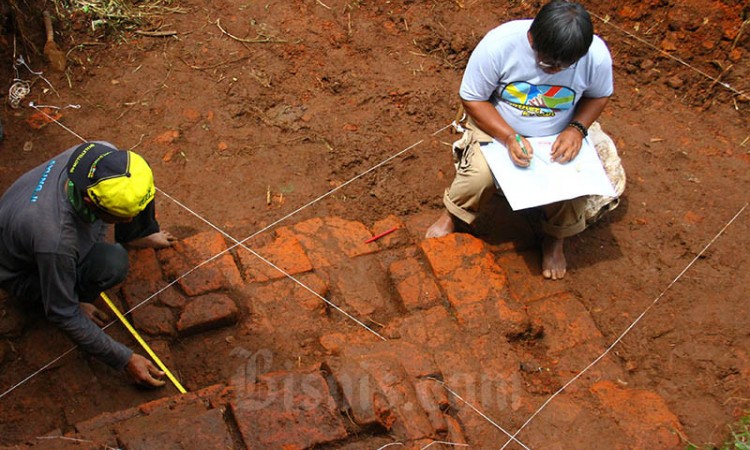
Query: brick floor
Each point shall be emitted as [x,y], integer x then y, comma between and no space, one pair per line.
[458,315]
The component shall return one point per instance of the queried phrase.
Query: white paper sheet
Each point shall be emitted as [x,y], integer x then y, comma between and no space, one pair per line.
[544,181]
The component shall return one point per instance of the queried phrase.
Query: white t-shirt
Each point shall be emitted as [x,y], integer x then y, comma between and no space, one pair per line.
[503,70]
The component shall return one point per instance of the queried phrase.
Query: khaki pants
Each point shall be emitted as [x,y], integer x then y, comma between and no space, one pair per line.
[474,185]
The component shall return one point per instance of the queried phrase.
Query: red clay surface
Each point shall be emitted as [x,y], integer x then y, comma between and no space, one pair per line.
[246,133]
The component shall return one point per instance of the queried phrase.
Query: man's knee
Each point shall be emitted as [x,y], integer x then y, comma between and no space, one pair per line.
[105,266]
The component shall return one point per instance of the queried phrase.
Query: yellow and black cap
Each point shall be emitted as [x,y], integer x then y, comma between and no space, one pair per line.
[117,181]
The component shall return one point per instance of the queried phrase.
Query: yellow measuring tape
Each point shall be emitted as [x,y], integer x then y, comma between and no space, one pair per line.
[143,343]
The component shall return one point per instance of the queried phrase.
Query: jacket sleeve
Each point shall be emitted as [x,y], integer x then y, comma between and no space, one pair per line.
[142,225]
[57,276]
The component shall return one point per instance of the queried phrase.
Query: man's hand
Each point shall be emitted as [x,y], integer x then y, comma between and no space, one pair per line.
[567,145]
[516,151]
[160,239]
[144,372]
[94,314]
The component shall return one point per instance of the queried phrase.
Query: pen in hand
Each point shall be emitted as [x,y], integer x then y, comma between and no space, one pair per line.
[518,139]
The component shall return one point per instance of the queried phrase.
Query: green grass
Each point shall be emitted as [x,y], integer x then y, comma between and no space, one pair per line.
[740,439]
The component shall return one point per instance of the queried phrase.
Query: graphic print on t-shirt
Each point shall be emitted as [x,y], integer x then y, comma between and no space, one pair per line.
[537,101]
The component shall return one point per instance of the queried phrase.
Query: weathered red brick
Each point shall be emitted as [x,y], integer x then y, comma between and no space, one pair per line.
[396,238]
[172,297]
[411,420]
[220,273]
[566,322]
[420,327]
[186,426]
[289,410]
[106,419]
[446,254]
[360,284]
[455,432]
[332,240]
[570,362]
[335,343]
[643,415]
[207,312]
[366,402]
[285,252]
[525,282]
[288,295]
[415,286]
[144,277]
[154,320]
[473,283]
[425,396]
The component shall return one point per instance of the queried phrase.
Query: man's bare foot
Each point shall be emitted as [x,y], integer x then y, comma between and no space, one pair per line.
[553,258]
[160,239]
[441,227]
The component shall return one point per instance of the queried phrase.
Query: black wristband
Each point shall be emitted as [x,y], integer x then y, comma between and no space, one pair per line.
[580,127]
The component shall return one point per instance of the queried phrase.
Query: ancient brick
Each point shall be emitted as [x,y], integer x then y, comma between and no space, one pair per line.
[335,343]
[290,410]
[144,277]
[360,285]
[366,402]
[188,426]
[473,283]
[154,320]
[455,432]
[525,282]
[570,362]
[332,240]
[394,239]
[643,415]
[220,273]
[207,312]
[411,420]
[569,421]
[424,391]
[420,327]
[414,360]
[106,419]
[416,288]
[285,252]
[172,297]
[566,322]
[288,292]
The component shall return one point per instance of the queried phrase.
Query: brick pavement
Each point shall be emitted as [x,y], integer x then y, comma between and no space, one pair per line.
[456,313]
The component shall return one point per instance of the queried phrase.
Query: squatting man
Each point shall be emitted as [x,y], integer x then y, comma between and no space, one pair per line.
[53,223]
[528,78]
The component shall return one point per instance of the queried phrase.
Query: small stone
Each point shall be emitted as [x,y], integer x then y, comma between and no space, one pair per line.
[668,45]
[675,82]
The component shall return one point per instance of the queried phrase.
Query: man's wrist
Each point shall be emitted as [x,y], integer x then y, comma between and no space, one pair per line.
[580,127]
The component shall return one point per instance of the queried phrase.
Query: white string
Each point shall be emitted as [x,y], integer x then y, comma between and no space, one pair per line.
[679,60]
[31,104]
[627,330]
[426,446]
[443,442]
[12,388]
[286,274]
[17,92]
[483,415]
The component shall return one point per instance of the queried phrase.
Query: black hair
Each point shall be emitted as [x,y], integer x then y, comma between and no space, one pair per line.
[562,32]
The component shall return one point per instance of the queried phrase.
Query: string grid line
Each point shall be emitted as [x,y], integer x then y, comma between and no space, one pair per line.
[675,58]
[627,330]
[241,243]
[237,243]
